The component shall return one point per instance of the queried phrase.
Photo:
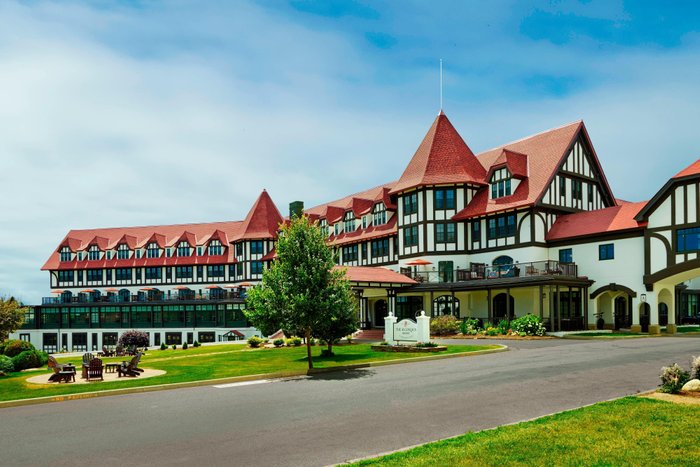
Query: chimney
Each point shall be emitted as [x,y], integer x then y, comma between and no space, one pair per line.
[296,209]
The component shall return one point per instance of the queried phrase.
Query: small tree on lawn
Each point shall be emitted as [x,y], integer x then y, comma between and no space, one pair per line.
[301,288]
[339,317]
[11,316]
[134,338]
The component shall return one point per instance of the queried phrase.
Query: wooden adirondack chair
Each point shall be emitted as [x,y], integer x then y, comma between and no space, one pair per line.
[95,369]
[131,368]
[87,358]
[60,372]
[106,352]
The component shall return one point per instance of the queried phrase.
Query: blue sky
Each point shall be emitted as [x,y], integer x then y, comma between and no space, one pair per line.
[139,113]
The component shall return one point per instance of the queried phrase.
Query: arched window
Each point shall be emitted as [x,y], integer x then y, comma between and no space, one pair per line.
[123,251]
[94,253]
[183,249]
[215,248]
[445,305]
[503,307]
[152,250]
[502,260]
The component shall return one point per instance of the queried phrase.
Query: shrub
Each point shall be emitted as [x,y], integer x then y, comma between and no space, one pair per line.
[695,368]
[384,343]
[278,342]
[163,346]
[134,337]
[503,327]
[529,324]
[6,365]
[426,344]
[444,325]
[469,327]
[16,347]
[294,341]
[196,344]
[27,359]
[44,357]
[348,339]
[184,346]
[174,347]
[255,341]
[312,341]
[673,378]
[491,331]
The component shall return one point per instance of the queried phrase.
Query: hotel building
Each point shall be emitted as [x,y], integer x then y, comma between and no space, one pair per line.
[528,227]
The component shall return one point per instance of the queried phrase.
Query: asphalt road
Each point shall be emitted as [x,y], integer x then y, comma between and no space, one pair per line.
[336,416]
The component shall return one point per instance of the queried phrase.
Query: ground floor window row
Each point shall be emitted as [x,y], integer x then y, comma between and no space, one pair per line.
[145,316]
[85,341]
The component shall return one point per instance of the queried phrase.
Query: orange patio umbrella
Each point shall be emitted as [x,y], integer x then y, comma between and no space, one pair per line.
[419,262]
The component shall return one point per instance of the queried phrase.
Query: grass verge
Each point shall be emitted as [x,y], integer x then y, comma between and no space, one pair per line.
[212,362]
[629,431]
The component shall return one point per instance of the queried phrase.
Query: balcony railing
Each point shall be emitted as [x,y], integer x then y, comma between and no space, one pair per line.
[478,271]
[142,298]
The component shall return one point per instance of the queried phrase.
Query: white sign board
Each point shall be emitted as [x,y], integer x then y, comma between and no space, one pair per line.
[406,330]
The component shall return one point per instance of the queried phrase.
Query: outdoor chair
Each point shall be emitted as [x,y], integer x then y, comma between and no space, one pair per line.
[131,368]
[94,369]
[61,372]
[86,362]
[106,352]
[119,352]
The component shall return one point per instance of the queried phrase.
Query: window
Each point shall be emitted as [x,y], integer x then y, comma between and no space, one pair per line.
[153,273]
[239,249]
[349,222]
[94,275]
[183,249]
[576,190]
[65,276]
[183,272]
[566,255]
[476,231]
[380,248]
[168,252]
[215,248]
[349,253]
[66,254]
[256,267]
[152,250]
[199,251]
[688,240]
[94,253]
[173,338]
[445,233]
[324,227]
[379,214]
[562,187]
[123,274]
[138,254]
[589,188]
[606,251]
[500,183]
[363,248]
[337,228]
[216,270]
[256,247]
[445,199]
[501,226]
[410,204]
[410,236]
[364,221]
[108,254]
[123,251]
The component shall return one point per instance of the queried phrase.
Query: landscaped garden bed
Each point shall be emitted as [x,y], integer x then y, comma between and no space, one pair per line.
[526,327]
[409,348]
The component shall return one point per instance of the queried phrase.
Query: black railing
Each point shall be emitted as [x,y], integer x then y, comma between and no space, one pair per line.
[479,271]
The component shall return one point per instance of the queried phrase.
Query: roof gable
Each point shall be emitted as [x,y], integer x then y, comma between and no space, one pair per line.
[442,157]
[263,220]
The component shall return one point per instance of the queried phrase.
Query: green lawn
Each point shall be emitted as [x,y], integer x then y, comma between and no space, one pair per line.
[687,329]
[629,431]
[211,362]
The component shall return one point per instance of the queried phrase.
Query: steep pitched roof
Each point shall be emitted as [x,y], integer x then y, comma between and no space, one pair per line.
[442,157]
[692,169]
[263,220]
[515,162]
[613,219]
[544,151]
[330,210]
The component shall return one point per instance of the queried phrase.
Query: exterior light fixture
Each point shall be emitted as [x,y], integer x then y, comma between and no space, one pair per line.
[643,298]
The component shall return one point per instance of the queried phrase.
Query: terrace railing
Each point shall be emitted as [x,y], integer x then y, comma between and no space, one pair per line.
[478,271]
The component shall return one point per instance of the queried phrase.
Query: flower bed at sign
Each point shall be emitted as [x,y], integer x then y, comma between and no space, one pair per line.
[528,326]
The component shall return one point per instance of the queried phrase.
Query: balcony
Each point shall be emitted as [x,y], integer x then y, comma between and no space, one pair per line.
[480,271]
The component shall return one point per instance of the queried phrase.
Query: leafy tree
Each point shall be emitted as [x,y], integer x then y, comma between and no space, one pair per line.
[340,316]
[301,288]
[11,316]
[133,338]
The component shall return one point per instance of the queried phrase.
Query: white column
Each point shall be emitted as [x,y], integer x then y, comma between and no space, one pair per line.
[592,311]
[423,323]
[389,322]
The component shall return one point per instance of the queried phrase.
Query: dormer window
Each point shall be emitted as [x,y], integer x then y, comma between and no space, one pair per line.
[152,250]
[215,248]
[123,251]
[66,254]
[183,249]
[349,222]
[500,183]
[337,228]
[323,224]
[94,253]
[379,214]
[364,221]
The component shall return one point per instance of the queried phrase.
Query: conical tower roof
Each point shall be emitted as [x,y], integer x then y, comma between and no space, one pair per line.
[263,220]
[442,157]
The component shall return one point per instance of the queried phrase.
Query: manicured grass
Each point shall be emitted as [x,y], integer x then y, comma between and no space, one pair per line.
[688,329]
[629,431]
[211,362]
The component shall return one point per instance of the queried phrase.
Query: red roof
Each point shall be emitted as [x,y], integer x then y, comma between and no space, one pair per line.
[692,169]
[545,152]
[613,219]
[515,162]
[442,157]
[335,209]
[371,232]
[263,220]
[375,274]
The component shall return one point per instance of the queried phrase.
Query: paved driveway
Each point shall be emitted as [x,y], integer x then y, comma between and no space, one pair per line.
[336,416]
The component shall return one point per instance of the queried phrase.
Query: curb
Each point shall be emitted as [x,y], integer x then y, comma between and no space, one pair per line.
[236,379]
